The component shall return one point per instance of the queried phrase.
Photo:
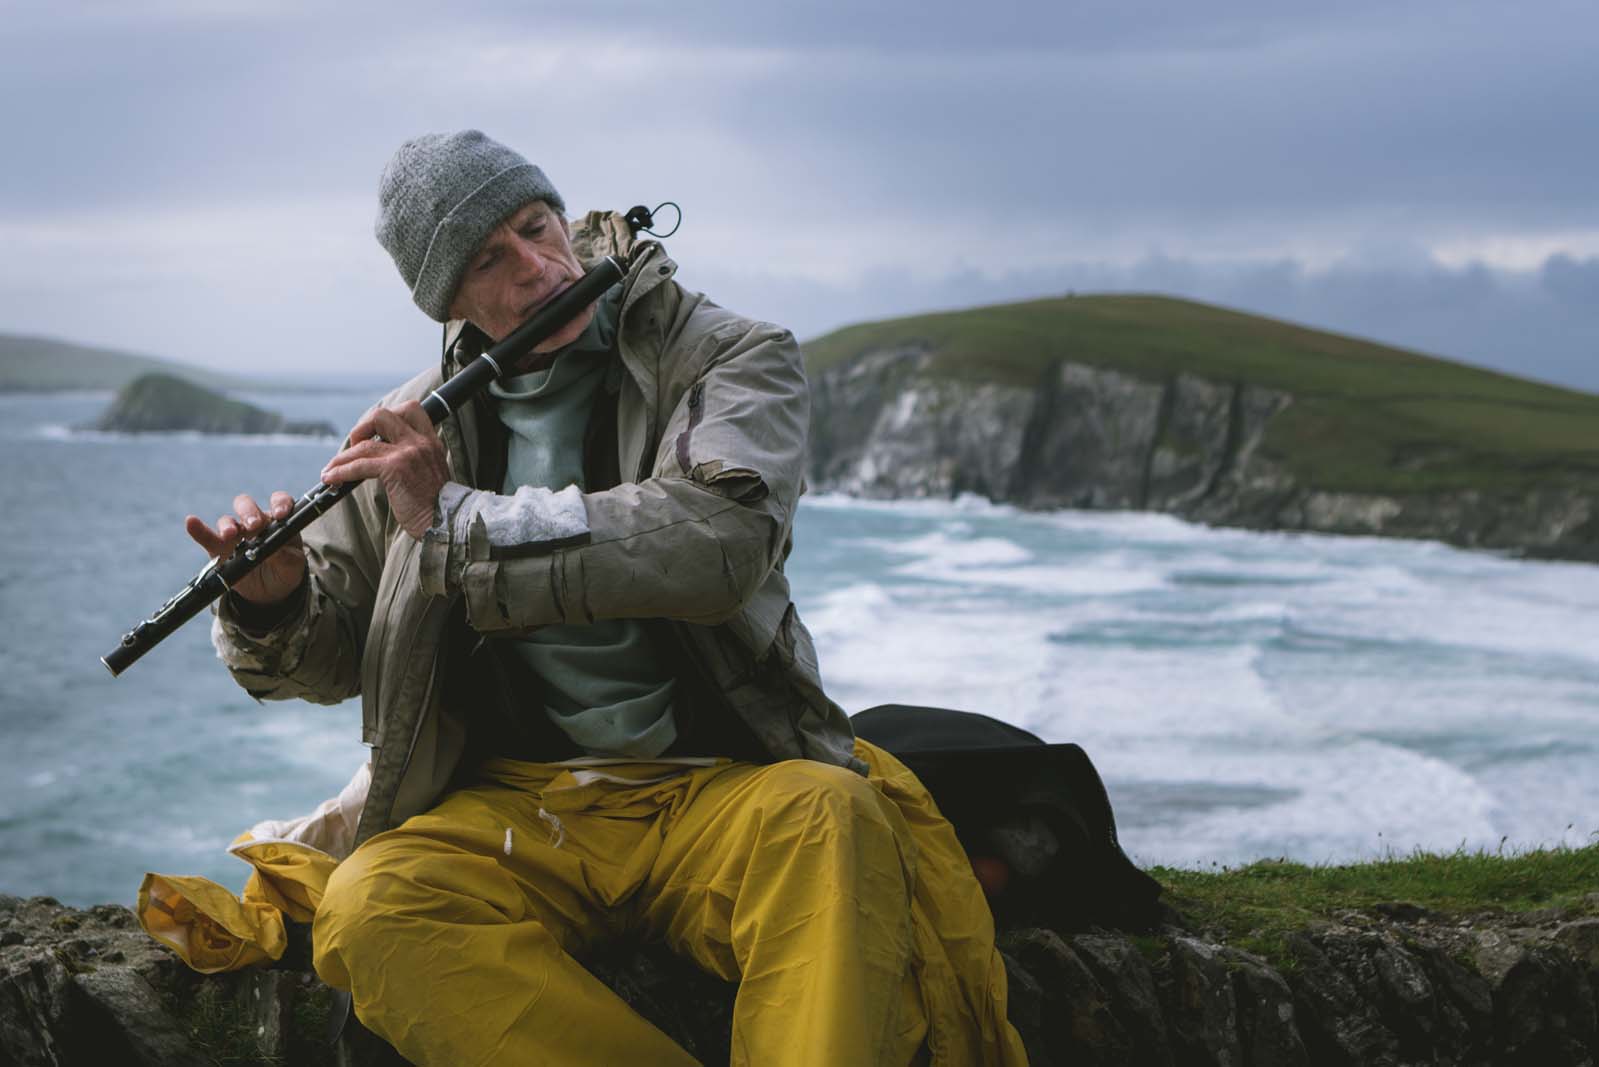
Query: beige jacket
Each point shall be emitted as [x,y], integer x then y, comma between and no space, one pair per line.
[712,417]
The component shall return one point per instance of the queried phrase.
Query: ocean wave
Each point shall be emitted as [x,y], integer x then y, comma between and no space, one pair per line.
[1244,694]
[1157,716]
[78,434]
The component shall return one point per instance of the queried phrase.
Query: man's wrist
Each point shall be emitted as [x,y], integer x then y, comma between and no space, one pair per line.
[443,546]
[257,619]
[446,506]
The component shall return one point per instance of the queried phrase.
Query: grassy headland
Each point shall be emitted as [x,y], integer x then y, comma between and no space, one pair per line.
[1366,417]
[1256,907]
[38,364]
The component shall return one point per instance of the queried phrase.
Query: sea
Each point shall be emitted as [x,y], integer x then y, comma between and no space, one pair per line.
[1245,695]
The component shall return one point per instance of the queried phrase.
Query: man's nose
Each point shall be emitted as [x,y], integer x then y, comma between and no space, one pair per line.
[529,259]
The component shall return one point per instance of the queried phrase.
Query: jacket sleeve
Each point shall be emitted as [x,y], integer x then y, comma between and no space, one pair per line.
[692,541]
[315,653]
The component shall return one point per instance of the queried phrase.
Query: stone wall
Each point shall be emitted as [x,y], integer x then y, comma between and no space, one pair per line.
[1395,986]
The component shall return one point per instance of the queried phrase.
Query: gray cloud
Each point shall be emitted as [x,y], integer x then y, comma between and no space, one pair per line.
[1541,324]
[186,168]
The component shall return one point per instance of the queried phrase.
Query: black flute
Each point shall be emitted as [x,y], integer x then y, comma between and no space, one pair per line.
[218,576]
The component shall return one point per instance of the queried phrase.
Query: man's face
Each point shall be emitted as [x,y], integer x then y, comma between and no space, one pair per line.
[524,263]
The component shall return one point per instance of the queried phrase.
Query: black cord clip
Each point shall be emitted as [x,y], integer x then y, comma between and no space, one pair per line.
[640,219]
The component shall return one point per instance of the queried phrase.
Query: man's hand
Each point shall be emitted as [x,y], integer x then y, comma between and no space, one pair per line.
[280,573]
[401,449]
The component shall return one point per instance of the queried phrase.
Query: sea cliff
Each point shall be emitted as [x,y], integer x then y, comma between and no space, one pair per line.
[1327,441]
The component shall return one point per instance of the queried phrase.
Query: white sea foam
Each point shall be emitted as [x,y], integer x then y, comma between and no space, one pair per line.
[954,551]
[162,437]
[1319,697]
[884,646]
[943,556]
[965,504]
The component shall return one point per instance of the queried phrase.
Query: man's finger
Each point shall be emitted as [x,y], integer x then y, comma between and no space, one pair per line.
[248,511]
[359,450]
[363,427]
[371,448]
[390,426]
[203,535]
[415,417]
[282,504]
[352,470]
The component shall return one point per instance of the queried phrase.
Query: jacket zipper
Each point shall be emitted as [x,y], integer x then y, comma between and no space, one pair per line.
[409,659]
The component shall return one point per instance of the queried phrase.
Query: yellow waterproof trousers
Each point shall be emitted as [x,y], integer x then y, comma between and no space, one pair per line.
[842,905]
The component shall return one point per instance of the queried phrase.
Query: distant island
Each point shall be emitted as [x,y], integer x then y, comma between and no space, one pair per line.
[154,403]
[1151,403]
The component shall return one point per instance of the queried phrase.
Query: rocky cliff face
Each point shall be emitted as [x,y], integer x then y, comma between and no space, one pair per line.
[1092,437]
[1395,986]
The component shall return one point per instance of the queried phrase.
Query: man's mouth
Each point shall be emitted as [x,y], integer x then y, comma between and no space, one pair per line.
[527,312]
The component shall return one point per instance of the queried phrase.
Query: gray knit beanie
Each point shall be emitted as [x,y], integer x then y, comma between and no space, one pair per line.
[439,197]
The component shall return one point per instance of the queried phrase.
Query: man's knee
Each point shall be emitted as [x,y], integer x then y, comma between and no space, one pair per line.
[831,845]
[808,784]
[836,803]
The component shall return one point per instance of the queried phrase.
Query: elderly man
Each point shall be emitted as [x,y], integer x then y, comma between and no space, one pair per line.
[592,707]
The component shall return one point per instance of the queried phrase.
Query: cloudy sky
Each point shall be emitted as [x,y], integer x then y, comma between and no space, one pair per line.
[196,178]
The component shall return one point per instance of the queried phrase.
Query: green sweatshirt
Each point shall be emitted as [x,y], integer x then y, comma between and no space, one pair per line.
[604,684]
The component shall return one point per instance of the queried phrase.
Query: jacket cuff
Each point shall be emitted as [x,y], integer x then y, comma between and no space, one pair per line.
[272,652]
[477,526]
[443,550]
[258,620]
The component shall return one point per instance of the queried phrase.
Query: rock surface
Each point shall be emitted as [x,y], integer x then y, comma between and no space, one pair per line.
[160,403]
[1393,988]
[1093,437]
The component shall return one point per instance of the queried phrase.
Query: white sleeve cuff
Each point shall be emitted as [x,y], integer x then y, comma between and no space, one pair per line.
[473,526]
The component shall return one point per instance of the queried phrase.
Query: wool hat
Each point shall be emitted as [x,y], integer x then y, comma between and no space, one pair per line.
[439,197]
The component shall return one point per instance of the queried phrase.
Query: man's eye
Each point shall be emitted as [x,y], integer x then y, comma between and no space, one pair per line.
[534,231]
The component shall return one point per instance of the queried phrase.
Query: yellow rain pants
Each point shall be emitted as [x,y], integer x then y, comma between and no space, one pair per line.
[844,907]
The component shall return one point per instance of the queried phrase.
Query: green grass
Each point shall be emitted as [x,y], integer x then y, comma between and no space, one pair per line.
[1366,417]
[224,1035]
[1258,906]
[220,1031]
